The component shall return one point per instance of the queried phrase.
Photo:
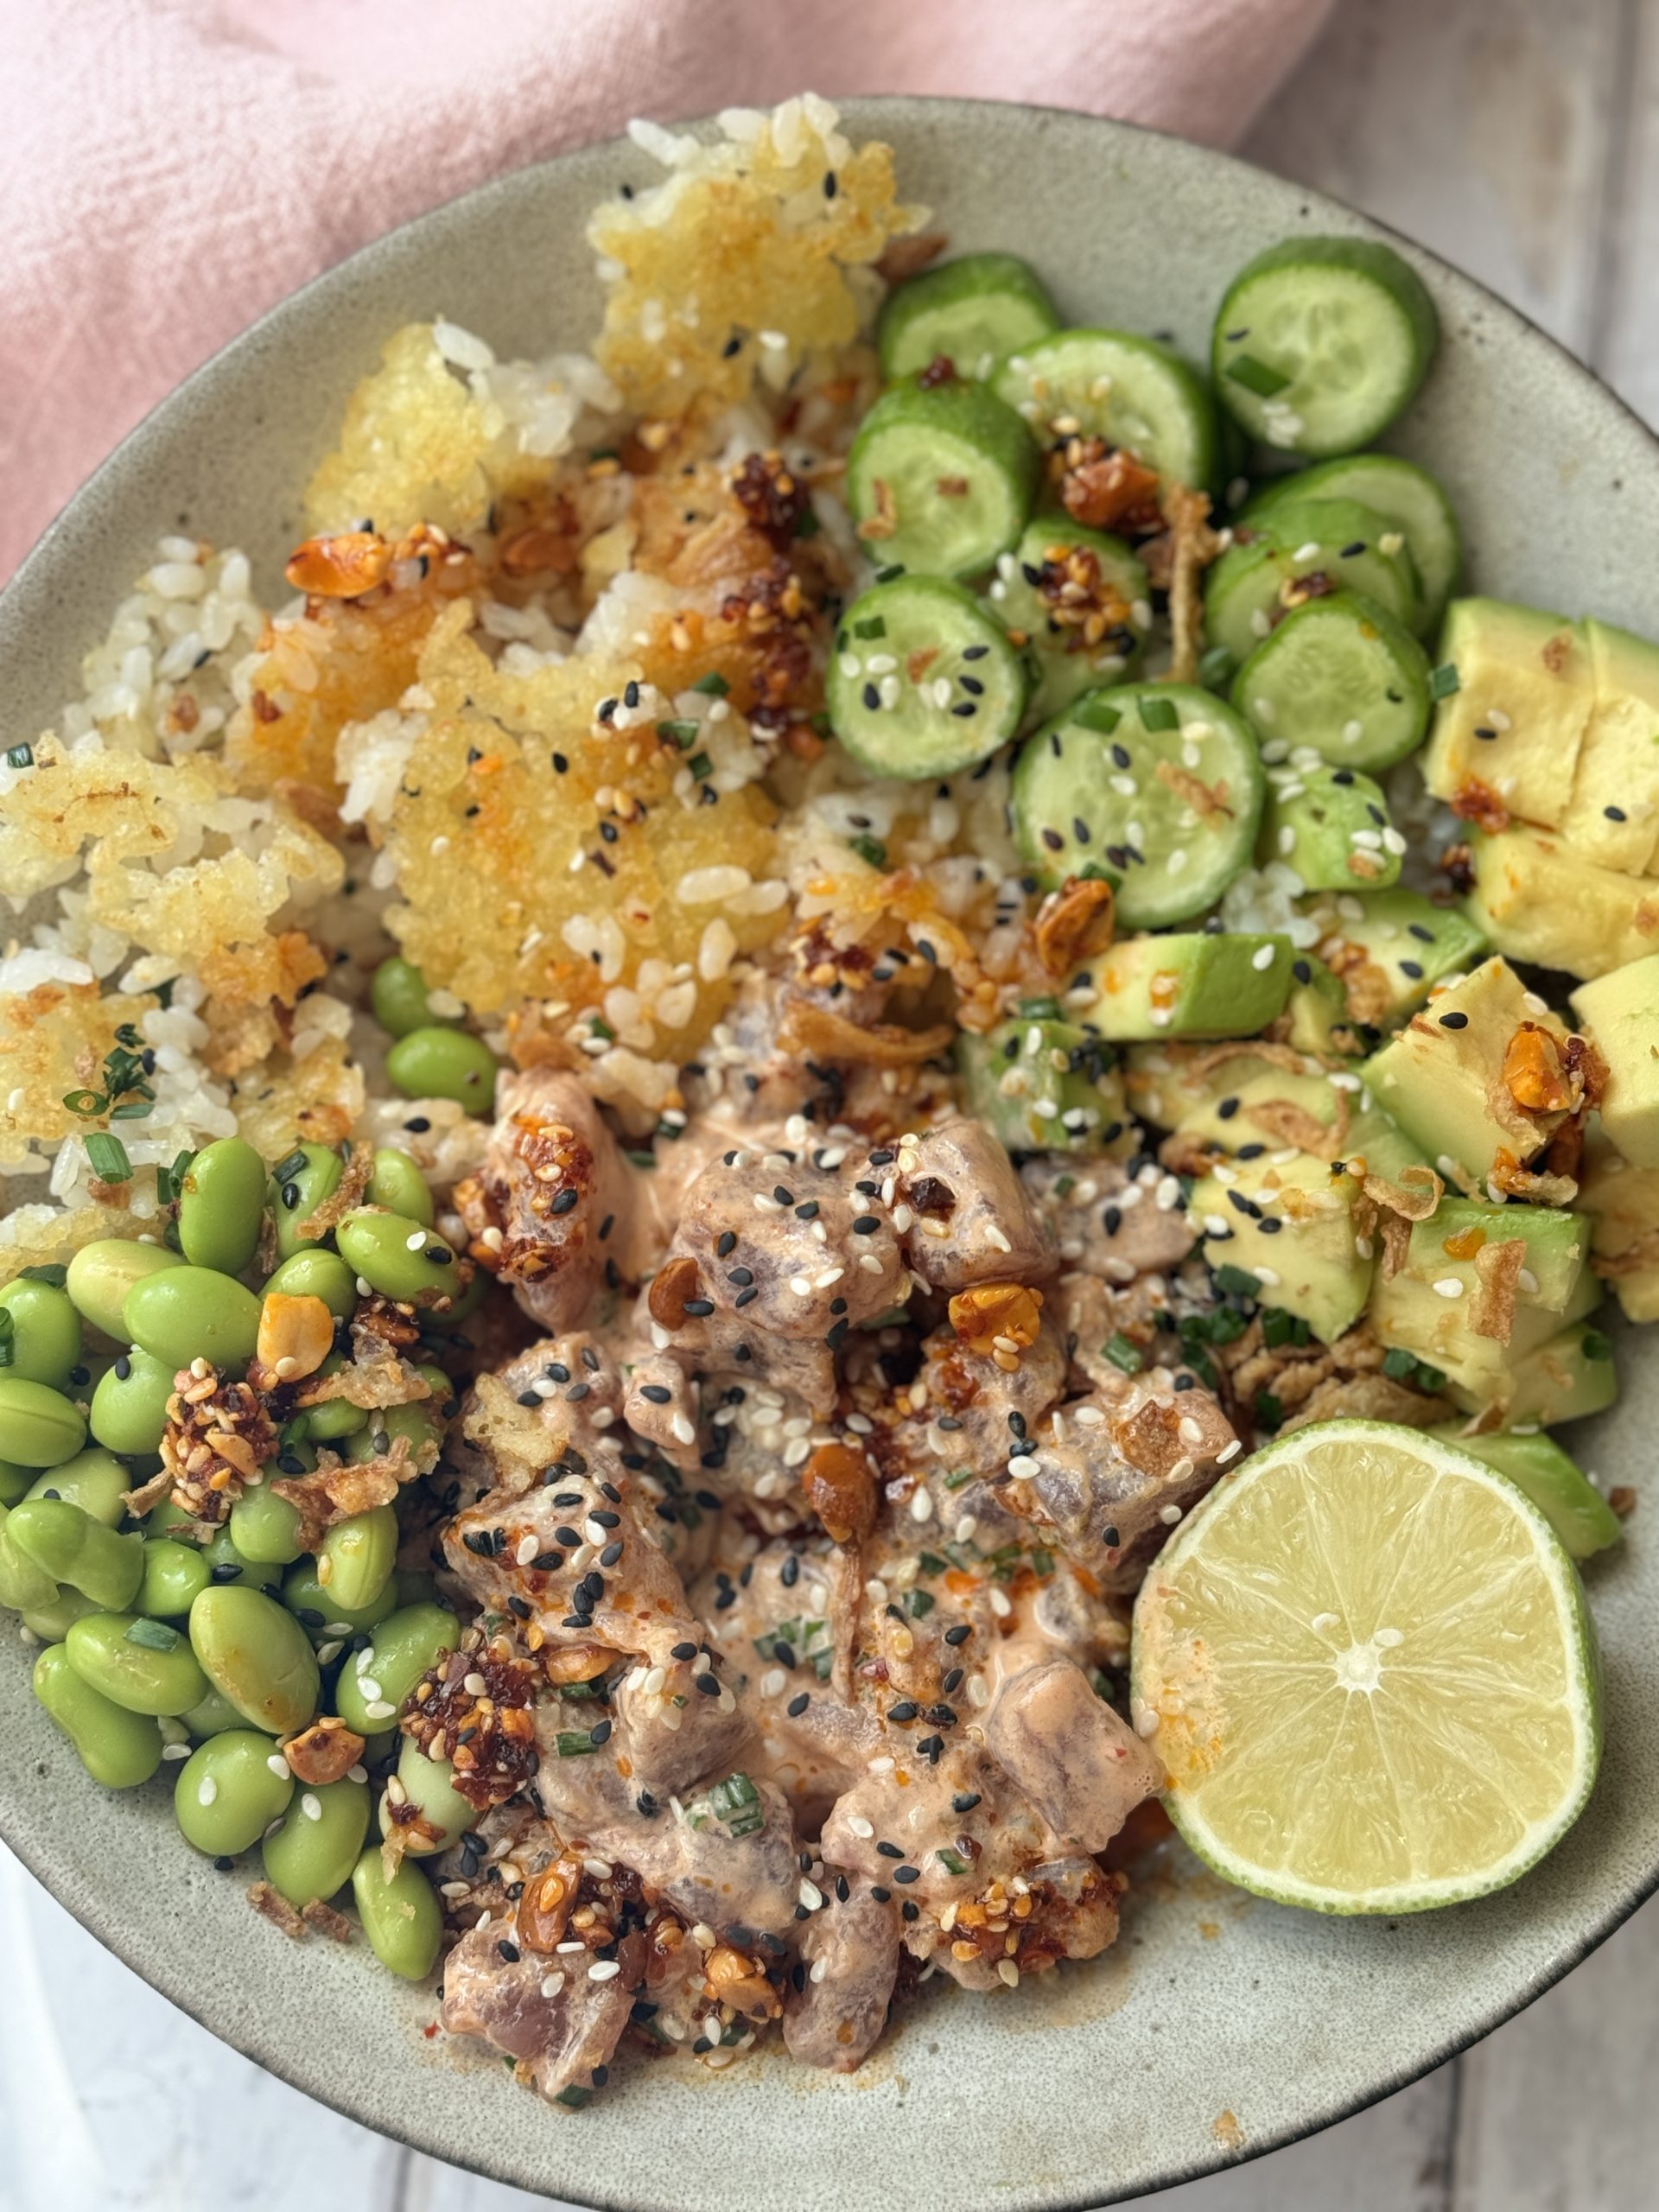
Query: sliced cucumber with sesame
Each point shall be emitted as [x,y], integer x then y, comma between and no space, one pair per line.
[1043,1086]
[941,478]
[1077,600]
[1320,343]
[1133,392]
[1343,677]
[1300,552]
[971,312]
[1403,494]
[1160,788]
[1331,825]
[924,680]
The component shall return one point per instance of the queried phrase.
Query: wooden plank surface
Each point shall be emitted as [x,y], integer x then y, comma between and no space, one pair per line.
[1520,138]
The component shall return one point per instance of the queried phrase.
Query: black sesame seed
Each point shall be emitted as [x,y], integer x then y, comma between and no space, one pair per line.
[727,1240]
[798,1705]
[889,1850]
[1453,1020]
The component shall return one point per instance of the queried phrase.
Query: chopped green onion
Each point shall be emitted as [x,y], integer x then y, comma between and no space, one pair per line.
[1269,1414]
[1096,715]
[712,686]
[1237,1283]
[701,766]
[1215,666]
[154,1636]
[952,1861]
[1038,1009]
[55,1274]
[20,756]
[574,2097]
[869,849]
[1398,1364]
[599,1026]
[1595,1345]
[959,1477]
[109,1157]
[1064,1185]
[86,1103]
[1429,1378]
[162,994]
[1257,376]
[893,569]
[1158,713]
[807,523]
[1123,1354]
[641,1159]
[931,1563]
[874,626]
[574,1742]
[1042,1562]
[7,1336]
[682,733]
[919,1603]
[1444,680]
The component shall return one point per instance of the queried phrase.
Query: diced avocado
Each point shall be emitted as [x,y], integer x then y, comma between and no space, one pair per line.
[1442,1076]
[1516,720]
[1167,1082]
[1567,1377]
[1557,1485]
[1614,818]
[1226,984]
[1316,1013]
[1290,1223]
[1619,1014]
[1537,900]
[1078,600]
[1443,1249]
[1390,948]
[1409,1314]
[1622,1202]
[1043,1086]
[1247,1116]
[1331,825]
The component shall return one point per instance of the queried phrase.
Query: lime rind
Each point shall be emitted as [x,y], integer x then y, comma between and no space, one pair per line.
[1151,1691]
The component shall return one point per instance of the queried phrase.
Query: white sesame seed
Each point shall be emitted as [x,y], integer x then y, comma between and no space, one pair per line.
[921,1506]
[311,1806]
[858,1826]
[1448,1286]
[279,1766]
[604,1970]
[527,1549]
[552,1983]
[1262,957]
[207,1790]
[1228,1451]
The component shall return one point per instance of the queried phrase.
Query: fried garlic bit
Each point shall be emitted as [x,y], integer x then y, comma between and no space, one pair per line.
[998,1319]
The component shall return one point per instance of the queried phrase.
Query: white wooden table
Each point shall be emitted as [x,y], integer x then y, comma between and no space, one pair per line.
[1521,138]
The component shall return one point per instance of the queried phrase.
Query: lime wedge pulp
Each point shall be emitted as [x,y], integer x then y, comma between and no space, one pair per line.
[1367,1665]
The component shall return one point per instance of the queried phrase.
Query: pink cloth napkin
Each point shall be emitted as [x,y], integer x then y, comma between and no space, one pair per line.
[170,168]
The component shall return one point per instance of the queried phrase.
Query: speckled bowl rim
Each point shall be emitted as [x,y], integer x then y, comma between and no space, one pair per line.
[291,2057]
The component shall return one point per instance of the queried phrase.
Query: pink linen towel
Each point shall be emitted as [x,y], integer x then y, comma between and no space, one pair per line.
[170,168]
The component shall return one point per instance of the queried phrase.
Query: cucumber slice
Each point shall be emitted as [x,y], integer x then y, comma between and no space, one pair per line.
[941,478]
[1078,600]
[923,681]
[1131,391]
[1043,1086]
[1341,676]
[1331,825]
[1320,343]
[1160,788]
[971,312]
[1402,494]
[1336,541]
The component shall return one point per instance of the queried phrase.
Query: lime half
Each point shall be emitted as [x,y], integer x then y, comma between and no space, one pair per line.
[1368,1667]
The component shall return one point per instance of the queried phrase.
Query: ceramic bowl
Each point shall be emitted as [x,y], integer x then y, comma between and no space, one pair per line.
[1218,2027]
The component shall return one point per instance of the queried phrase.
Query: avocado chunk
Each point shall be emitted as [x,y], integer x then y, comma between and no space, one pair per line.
[1248,1117]
[1288,1223]
[1619,1014]
[1622,1205]
[1390,948]
[1043,1086]
[1331,825]
[1226,984]
[1535,898]
[1567,1377]
[1078,599]
[1514,726]
[1614,818]
[1430,1307]
[1443,1076]
[1556,1483]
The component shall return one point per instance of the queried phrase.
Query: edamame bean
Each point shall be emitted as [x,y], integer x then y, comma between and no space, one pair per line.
[24,1586]
[51,1622]
[265,1528]
[257,1655]
[94,1480]
[323,1617]
[299,1182]
[229,1791]
[398,1256]
[15,1481]
[188,1313]
[41,1328]
[374,1682]
[66,1542]
[439,1063]
[230,1567]
[118,1748]
[400,1917]
[174,1577]
[397,995]
[102,1272]
[427,1785]
[312,1853]
[221,1203]
[397,1183]
[314,1272]
[38,1427]
[130,1405]
[356,1557]
[142,1665]
[212,1717]
[334,1417]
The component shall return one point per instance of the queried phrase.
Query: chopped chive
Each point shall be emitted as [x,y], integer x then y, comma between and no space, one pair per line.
[154,1636]
[712,686]
[873,626]
[109,1157]
[701,765]
[1158,713]
[869,849]
[1444,680]
[1237,1283]
[1595,1345]
[1123,1354]
[1257,376]
[574,1742]
[86,1103]
[682,733]
[1096,715]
